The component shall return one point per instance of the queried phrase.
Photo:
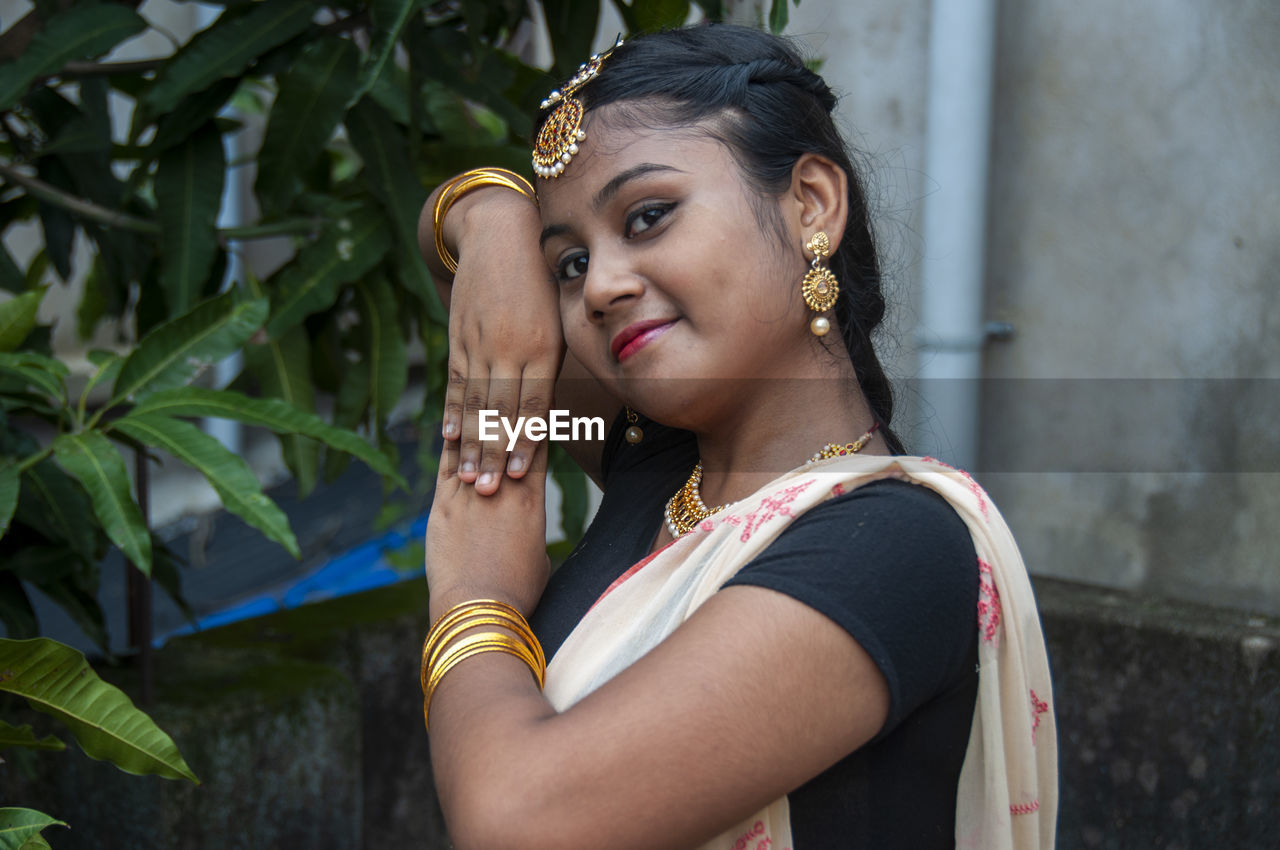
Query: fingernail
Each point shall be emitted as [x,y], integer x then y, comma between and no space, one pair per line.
[468,467]
[486,479]
[450,430]
[516,465]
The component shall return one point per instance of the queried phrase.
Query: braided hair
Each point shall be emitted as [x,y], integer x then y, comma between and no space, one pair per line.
[768,109]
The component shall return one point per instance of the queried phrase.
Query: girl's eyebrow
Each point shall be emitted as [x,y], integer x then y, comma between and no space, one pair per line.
[609,191]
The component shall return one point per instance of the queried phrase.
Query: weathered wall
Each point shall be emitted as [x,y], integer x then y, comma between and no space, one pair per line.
[1134,223]
[1134,219]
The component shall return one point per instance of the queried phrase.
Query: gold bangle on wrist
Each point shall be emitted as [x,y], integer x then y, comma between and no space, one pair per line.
[459,186]
[447,644]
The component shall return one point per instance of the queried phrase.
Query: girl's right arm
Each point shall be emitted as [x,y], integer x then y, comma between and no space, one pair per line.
[506,349]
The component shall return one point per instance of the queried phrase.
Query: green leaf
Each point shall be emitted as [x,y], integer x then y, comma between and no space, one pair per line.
[58,225]
[193,112]
[389,19]
[16,613]
[188,187]
[572,482]
[226,48]
[277,415]
[108,363]
[90,130]
[22,736]
[572,25]
[349,409]
[653,15]
[173,353]
[80,32]
[10,485]
[380,144]
[97,464]
[18,317]
[354,245]
[19,827]
[283,369]
[37,370]
[56,679]
[313,98]
[56,506]
[779,16]
[12,278]
[231,477]
[388,365]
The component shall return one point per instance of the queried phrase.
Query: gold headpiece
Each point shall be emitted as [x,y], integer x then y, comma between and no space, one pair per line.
[558,139]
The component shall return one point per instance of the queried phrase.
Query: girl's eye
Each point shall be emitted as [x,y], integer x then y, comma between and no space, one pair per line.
[646,217]
[572,266]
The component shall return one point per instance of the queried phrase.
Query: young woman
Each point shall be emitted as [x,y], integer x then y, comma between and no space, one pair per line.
[845,653]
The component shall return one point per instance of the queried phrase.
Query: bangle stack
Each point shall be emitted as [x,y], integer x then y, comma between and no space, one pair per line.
[465,182]
[440,651]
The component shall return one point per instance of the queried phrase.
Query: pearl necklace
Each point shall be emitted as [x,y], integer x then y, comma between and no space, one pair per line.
[686,509]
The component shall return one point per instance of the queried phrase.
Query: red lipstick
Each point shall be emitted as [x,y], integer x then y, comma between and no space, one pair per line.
[637,336]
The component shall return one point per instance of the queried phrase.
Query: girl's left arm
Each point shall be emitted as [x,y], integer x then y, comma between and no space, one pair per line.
[755,694]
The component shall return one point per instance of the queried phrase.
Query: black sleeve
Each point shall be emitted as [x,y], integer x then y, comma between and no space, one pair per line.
[894,565]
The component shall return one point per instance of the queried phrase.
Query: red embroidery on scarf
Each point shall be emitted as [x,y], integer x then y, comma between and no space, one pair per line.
[974,487]
[632,570]
[772,506]
[988,603]
[837,490]
[1038,707]
[1025,808]
[744,840]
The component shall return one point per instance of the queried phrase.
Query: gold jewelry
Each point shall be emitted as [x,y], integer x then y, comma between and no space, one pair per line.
[686,509]
[440,651]
[819,287]
[831,450]
[469,647]
[561,133]
[634,432]
[469,181]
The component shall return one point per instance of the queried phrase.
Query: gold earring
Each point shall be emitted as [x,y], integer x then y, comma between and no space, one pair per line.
[820,287]
[634,432]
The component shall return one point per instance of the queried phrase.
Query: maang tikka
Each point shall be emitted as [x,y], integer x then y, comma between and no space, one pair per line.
[561,133]
[819,287]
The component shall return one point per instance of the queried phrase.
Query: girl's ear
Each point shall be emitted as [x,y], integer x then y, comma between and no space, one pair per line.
[819,198]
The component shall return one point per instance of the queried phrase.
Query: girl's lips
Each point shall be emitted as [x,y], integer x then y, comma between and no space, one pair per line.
[637,336]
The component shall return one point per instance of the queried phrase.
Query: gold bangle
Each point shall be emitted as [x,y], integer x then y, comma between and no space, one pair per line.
[469,647]
[467,615]
[459,186]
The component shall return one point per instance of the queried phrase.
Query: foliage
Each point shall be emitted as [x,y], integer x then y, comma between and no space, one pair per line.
[364,105]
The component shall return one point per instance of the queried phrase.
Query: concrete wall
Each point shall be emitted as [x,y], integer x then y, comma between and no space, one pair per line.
[1128,427]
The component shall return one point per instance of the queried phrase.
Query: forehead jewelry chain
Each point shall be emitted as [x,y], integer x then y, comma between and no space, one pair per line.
[561,133]
[686,509]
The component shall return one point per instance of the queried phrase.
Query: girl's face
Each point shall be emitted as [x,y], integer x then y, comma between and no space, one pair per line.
[666,275]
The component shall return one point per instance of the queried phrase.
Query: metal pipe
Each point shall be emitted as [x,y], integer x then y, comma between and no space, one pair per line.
[951,333]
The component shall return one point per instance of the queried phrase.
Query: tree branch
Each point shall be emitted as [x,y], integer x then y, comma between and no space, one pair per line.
[79,206]
[73,70]
[114,218]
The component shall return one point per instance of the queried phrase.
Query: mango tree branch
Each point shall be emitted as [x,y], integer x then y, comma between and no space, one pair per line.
[85,209]
[107,69]
[114,218]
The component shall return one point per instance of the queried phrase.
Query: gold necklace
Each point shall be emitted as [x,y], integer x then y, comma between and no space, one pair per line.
[686,509]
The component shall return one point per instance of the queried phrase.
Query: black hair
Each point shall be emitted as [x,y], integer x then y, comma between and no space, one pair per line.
[768,109]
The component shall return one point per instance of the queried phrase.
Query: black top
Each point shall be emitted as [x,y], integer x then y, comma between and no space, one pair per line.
[892,564]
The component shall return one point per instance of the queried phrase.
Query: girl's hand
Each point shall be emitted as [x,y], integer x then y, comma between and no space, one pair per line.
[505,341]
[487,546]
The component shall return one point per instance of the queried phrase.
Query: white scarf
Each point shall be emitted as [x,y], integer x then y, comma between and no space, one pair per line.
[1008,791]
